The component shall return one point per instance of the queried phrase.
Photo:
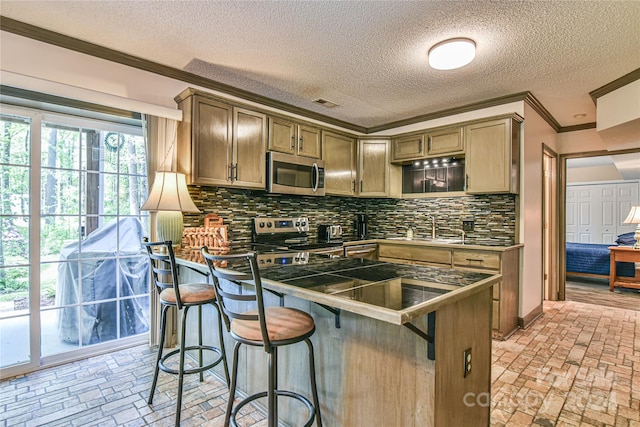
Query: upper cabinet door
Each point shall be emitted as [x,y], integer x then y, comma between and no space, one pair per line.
[446,142]
[249,149]
[373,168]
[339,155]
[287,136]
[211,142]
[309,141]
[282,135]
[492,156]
[407,148]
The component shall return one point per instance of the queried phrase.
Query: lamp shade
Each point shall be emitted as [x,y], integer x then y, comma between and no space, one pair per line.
[634,216]
[169,193]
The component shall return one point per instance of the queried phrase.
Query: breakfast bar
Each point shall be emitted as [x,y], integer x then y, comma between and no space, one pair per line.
[396,344]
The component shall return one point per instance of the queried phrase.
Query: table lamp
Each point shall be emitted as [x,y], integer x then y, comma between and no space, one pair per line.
[634,218]
[169,197]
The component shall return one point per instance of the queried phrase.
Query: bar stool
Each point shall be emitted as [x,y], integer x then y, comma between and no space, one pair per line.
[182,297]
[267,327]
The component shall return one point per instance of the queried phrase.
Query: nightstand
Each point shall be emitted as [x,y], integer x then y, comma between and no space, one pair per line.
[624,254]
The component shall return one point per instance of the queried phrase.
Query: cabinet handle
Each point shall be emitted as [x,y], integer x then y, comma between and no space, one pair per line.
[300,145]
[353,185]
[293,142]
[420,146]
[479,261]
[235,176]
[361,186]
[428,144]
[466,182]
[230,176]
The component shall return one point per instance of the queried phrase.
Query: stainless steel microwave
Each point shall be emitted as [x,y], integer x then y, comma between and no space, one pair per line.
[289,174]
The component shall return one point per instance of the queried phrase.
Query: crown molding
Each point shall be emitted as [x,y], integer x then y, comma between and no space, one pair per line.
[71,43]
[616,84]
[451,111]
[575,128]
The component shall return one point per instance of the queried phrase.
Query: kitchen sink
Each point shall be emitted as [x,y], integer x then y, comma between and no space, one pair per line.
[430,240]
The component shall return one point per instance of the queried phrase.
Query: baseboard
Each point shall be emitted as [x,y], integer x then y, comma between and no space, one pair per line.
[526,321]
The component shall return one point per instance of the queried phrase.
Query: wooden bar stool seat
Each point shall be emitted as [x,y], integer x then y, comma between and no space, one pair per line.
[267,327]
[282,324]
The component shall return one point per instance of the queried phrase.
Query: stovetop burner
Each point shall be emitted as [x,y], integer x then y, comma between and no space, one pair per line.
[285,234]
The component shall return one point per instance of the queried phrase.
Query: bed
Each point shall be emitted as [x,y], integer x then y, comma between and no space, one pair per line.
[592,259]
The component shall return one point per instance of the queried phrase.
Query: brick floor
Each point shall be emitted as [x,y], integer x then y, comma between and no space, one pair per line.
[578,365]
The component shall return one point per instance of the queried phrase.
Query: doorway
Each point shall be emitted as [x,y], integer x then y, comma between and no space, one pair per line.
[549,223]
[597,191]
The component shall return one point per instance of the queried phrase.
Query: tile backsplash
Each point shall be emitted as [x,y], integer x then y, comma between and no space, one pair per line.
[494,215]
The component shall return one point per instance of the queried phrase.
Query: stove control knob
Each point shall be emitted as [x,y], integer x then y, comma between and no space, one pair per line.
[304,223]
[269,225]
[261,261]
[261,225]
[297,223]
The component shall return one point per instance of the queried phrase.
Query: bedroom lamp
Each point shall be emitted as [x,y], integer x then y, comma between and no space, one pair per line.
[634,218]
[169,197]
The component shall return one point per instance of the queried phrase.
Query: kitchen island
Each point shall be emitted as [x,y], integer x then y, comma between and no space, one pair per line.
[390,339]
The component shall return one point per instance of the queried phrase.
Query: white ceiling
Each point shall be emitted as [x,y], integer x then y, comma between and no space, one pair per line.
[369,56]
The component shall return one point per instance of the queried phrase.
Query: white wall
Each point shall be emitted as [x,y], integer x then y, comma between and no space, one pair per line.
[536,133]
[593,173]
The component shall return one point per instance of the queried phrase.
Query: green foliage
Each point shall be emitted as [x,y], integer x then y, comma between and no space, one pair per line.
[14,279]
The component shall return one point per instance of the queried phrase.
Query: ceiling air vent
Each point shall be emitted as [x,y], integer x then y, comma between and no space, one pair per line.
[325,103]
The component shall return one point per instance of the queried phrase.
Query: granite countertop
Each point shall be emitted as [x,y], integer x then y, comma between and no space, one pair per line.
[394,293]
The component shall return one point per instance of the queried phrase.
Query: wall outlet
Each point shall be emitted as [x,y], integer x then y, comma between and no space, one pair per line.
[468,225]
[467,362]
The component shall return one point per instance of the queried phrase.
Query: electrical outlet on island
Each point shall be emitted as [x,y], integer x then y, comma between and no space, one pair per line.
[467,362]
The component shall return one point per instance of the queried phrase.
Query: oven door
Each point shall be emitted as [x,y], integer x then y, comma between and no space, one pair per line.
[289,174]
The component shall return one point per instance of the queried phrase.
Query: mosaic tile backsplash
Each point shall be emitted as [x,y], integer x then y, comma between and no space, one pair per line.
[494,215]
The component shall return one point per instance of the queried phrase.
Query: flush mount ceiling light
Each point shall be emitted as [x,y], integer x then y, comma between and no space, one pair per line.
[452,53]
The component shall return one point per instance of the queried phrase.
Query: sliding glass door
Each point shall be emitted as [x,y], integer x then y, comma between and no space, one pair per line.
[73,280]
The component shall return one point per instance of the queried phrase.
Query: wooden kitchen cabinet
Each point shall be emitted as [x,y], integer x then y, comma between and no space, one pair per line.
[373,168]
[493,156]
[220,144]
[445,142]
[485,259]
[287,136]
[339,155]
[431,143]
[249,149]
[414,254]
[408,147]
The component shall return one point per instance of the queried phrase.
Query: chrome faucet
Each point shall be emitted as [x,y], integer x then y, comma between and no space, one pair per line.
[464,234]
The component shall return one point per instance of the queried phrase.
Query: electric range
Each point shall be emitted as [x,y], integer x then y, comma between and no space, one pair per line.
[289,234]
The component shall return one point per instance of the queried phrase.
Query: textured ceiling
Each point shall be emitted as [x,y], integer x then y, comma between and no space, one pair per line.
[369,57]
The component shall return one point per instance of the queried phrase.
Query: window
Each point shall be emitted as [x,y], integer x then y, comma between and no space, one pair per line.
[71,188]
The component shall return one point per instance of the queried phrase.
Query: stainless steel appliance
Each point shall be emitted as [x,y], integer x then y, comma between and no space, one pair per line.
[366,251]
[329,233]
[289,174]
[289,234]
[360,225]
